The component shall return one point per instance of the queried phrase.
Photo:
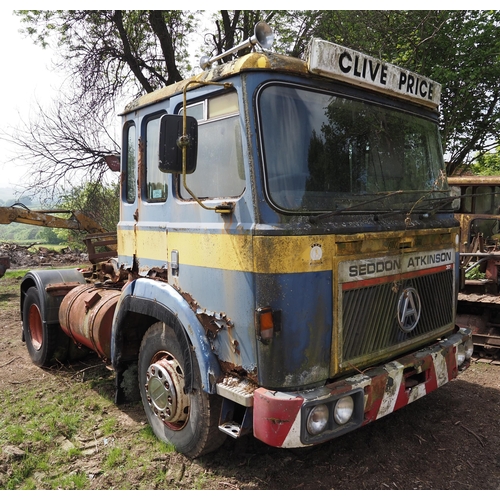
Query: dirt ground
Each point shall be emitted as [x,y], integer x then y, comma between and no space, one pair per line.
[449,440]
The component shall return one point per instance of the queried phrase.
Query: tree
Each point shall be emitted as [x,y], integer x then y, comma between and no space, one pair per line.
[106,51]
[469,68]
[49,235]
[233,27]
[69,141]
[459,49]
[100,202]
[113,55]
[109,56]
[487,164]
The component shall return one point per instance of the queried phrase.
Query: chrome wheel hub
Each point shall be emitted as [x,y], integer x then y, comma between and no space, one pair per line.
[165,391]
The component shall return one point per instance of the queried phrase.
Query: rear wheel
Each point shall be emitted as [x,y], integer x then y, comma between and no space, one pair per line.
[189,421]
[40,341]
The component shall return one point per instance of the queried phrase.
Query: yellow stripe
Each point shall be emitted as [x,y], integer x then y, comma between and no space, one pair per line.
[216,251]
[274,254]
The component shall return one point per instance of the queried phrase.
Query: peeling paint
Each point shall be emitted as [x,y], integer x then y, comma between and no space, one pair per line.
[307,376]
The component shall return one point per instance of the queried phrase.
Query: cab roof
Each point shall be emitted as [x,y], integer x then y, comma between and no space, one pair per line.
[249,62]
[324,59]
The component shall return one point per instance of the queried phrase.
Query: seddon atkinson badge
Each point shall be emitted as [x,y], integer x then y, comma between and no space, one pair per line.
[386,266]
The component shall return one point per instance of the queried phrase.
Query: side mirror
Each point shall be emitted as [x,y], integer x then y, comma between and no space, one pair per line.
[170,154]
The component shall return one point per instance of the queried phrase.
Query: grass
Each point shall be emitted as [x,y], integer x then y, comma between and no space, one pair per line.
[58,425]
[9,289]
[14,274]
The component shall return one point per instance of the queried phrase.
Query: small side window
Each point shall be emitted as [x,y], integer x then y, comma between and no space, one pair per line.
[219,167]
[129,179]
[156,181]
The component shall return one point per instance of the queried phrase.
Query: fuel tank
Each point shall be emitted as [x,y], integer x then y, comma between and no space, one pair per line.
[86,315]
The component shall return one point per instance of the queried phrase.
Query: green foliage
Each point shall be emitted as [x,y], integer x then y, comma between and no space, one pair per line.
[102,47]
[98,201]
[20,233]
[475,274]
[48,235]
[487,164]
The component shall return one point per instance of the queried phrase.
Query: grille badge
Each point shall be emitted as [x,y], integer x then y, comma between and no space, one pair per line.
[409,309]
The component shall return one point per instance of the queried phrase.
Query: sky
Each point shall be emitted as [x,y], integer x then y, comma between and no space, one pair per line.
[27,79]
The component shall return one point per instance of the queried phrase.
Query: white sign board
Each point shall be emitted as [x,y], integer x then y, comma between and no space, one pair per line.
[378,267]
[340,63]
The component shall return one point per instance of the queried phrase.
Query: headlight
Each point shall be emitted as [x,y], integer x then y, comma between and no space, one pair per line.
[344,409]
[317,419]
[460,354]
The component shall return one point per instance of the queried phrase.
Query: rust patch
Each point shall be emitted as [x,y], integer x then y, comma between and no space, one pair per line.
[110,271]
[213,322]
[61,289]
[228,367]
[4,265]
[158,273]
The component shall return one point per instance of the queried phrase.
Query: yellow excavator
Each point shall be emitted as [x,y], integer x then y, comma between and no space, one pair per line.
[98,236]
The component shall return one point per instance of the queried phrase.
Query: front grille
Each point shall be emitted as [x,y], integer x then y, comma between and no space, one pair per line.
[370,321]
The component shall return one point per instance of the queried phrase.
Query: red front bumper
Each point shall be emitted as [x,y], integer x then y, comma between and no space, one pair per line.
[279,417]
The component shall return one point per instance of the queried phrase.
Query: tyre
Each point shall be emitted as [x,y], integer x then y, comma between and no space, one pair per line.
[40,343]
[187,421]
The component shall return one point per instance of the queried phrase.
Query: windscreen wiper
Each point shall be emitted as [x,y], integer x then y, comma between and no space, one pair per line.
[315,218]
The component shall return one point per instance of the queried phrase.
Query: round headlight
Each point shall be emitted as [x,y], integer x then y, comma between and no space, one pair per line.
[460,354]
[344,409]
[317,419]
[469,348]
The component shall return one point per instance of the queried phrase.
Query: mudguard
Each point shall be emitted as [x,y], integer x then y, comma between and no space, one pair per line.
[49,303]
[164,303]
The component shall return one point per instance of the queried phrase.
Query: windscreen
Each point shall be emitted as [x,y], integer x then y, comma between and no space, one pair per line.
[330,152]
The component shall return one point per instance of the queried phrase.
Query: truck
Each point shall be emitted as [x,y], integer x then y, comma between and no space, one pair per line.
[477,208]
[287,255]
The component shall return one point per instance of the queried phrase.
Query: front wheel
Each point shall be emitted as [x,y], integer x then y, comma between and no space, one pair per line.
[187,421]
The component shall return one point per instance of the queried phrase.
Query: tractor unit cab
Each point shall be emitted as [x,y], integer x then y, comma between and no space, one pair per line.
[287,252]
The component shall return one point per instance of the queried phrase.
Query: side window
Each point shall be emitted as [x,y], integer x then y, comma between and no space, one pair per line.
[156,181]
[129,179]
[219,170]
[467,200]
[485,203]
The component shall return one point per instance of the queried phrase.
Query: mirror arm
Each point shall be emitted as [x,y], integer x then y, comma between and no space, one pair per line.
[183,143]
